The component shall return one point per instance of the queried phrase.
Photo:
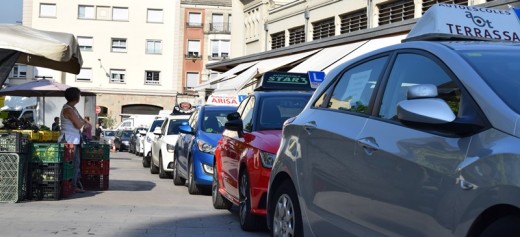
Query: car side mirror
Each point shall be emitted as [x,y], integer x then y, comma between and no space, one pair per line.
[233,116]
[426,111]
[236,125]
[157,131]
[185,129]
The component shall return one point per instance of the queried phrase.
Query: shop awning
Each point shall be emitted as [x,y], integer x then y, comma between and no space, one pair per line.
[226,75]
[326,57]
[233,86]
[370,46]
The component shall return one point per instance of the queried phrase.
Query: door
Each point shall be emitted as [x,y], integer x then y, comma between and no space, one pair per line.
[156,142]
[187,142]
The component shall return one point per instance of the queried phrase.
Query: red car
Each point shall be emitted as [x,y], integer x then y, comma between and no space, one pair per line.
[245,153]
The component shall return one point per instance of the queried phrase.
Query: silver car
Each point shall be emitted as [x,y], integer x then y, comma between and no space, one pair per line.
[416,139]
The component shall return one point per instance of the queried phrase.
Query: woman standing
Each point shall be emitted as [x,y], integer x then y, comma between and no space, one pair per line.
[71,123]
[87,130]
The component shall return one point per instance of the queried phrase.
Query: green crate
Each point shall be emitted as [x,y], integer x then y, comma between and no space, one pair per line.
[68,170]
[47,152]
[13,173]
[95,151]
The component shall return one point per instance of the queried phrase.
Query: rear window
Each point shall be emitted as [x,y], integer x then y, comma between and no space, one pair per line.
[275,110]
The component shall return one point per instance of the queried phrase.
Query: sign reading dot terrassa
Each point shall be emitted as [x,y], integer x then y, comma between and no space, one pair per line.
[451,21]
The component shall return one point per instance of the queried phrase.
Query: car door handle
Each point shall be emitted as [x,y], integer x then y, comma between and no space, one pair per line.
[369,144]
[309,126]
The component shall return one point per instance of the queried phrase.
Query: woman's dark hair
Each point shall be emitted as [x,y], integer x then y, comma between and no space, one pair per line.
[72,94]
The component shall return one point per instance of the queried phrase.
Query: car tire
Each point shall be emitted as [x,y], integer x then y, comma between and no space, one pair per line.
[219,201]
[177,179]
[503,227]
[285,213]
[248,221]
[162,173]
[193,189]
[146,162]
[153,168]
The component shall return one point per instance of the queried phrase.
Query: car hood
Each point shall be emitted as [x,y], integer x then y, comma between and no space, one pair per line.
[268,140]
[210,138]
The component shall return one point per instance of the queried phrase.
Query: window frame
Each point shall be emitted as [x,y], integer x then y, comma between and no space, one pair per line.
[187,80]
[149,10]
[189,23]
[16,73]
[114,71]
[41,10]
[86,16]
[81,73]
[123,17]
[193,54]
[90,47]
[155,42]
[148,81]
[118,48]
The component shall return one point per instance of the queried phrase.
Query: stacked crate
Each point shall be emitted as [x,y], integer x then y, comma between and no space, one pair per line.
[13,166]
[51,171]
[95,166]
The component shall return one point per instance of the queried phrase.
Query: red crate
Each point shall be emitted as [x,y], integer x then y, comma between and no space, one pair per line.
[94,182]
[67,189]
[68,152]
[89,166]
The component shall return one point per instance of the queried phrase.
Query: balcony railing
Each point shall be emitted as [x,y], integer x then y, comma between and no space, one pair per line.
[217,28]
[194,24]
[193,55]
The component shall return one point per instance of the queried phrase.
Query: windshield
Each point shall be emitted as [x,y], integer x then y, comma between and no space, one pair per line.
[214,120]
[173,127]
[275,110]
[127,133]
[109,133]
[500,70]
[155,124]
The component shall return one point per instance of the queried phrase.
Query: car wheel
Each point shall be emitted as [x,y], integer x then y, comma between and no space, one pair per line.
[192,187]
[285,214]
[146,162]
[219,202]
[248,221]
[503,227]
[162,174]
[177,179]
[153,168]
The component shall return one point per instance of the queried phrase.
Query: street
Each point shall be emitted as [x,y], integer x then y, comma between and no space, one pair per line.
[136,204]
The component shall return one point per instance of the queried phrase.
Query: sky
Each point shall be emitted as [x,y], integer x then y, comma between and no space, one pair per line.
[10,11]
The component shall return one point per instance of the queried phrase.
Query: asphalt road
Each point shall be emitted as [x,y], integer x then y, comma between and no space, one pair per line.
[137,203]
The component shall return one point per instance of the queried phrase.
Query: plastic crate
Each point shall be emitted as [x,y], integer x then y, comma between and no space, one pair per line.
[46,136]
[90,166]
[31,135]
[67,189]
[13,177]
[13,142]
[95,151]
[46,172]
[46,190]
[47,152]
[68,170]
[94,182]
[55,136]
[68,152]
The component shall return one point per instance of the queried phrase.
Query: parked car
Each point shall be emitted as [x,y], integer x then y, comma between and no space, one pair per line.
[122,139]
[415,139]
[193,159]
[163,145]
[139,145]
[245,153]
[134,139]
[147,142]
[107,137]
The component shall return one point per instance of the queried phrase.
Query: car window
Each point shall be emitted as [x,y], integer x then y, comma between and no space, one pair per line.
[155,124]
[109,133]
[247,114]
[173,126]
[163,126]
[356,86]
[414,69]
[242,105]
[214,121]
[193,120]
[275,110]
[127,133]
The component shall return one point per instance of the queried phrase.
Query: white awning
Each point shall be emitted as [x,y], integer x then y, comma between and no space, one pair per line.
[234,85]
[370,46]
[326,57]
[226,75]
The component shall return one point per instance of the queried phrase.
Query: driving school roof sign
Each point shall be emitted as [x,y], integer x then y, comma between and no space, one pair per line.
[450,21]
[284,81]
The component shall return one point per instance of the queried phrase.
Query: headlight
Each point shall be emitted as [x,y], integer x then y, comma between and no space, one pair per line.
[170,148]
[148,139]
[205,147]
[126,142]
[207,168]
[267,159]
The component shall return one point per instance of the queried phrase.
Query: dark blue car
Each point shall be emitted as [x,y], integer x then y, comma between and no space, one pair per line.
[193,155]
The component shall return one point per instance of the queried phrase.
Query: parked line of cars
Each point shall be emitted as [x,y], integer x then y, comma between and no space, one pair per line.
[415,139]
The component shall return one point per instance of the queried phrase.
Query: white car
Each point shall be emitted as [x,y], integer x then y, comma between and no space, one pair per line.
[139,144]
[163,145]
[147,143]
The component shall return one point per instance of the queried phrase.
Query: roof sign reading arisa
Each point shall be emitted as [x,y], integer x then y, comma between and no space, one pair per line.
[232,100]
[457,22]
[284,81]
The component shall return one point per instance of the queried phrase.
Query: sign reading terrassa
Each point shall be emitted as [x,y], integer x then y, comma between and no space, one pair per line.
[448,21]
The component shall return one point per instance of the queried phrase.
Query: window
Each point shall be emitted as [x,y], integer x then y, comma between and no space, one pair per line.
[192,80]
[47,10]
[297,35]
[117,75]
[155,15]
[193,49]
[220,48]
[119,45]
[103,13]
[153,46]
[278,40]
[229,22]
[396,11]
[194,19]
[120,14]
[355,87]
[18,71]
[86,12]
[85,43]
[84,75]
[323,29]
[247,114]
[217,23]
[426,4]
[152,77]
[424,71]
[354,21]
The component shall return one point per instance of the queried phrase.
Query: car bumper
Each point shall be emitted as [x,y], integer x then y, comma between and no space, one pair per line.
[201,175]
[167,160]
[259,180]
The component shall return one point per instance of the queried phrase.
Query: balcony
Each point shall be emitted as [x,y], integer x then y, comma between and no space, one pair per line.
[217,57]
[193,24]
[193,55]
[217,28]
